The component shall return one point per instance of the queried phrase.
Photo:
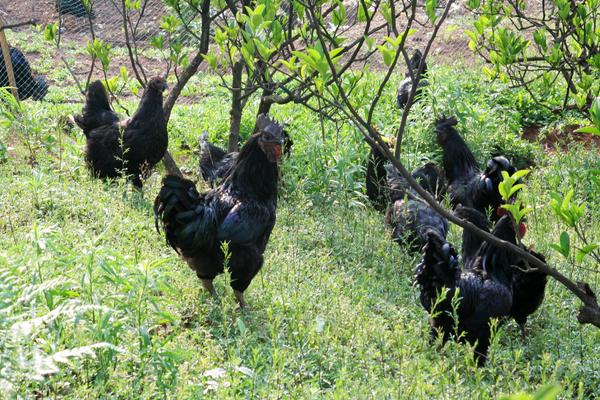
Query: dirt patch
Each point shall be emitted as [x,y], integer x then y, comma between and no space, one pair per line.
[560,139]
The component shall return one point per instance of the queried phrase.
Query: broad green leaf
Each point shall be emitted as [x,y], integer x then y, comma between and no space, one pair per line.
[565,243]
[584,251]
[430,6]
[589,129]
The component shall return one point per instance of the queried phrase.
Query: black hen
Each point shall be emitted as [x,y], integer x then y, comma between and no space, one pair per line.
[28,85]
[215,162]
[133,146]
[485,291]
[97,110]
[73,7]
[411,219]
[376,178]
[406,85]
[467,185]
[528,285]
[240,212]
[471,242]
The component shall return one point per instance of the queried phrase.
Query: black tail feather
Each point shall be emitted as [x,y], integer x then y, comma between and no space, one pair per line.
[188,224]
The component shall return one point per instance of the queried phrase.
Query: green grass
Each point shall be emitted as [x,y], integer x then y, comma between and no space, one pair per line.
[333,312]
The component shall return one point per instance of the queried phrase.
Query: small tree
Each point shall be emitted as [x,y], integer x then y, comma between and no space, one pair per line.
[545,41]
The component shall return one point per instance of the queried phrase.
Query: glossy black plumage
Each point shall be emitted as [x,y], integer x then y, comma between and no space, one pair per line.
[240,211]
[467,185]
[376,183]
[411,219]
[528,285]
[406,85]
[134,146]
[215,162]
[529,288]
[97,110]
[485,291]
[28,85]
[470,241]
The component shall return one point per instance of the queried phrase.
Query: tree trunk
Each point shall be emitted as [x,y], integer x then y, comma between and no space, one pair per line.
[265,102]
[236,107]
[192,68]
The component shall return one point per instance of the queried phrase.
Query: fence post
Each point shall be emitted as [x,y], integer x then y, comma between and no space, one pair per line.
[8,61]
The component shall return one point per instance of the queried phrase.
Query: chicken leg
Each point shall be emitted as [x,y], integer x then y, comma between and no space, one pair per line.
[240,298]
[208,285]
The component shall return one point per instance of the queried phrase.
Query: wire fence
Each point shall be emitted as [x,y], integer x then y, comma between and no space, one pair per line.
[79,22]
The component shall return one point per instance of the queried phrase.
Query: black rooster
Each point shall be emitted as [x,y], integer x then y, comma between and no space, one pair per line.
[411,219]
[73,7]
[376,177]
[240,212]
[28,85]
[215,162]
[485,291]
[406,85]
[467,185]
[133,146]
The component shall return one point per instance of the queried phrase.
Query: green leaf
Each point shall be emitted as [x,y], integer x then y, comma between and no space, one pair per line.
[339,14]
[388,54]
[473,4]
[520,174]
[515,189]
[50,32]
[124,74]
[565,244]
[386,11]
[589,129]
[584,251]
[362,13]
[430,6]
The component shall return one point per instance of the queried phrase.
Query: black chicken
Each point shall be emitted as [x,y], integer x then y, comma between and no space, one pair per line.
[376,177]
[28,85]
[215,162]
[467,185]
[485,290]
[406,85]
[411,219]
[471,242]
[73,7]
[97,110]
[528,285]
[133,146]
[240,211]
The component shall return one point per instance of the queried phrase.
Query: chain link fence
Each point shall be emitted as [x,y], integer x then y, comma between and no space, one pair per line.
[77,23]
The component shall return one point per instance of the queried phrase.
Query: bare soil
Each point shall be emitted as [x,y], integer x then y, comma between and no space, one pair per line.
[560,139]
